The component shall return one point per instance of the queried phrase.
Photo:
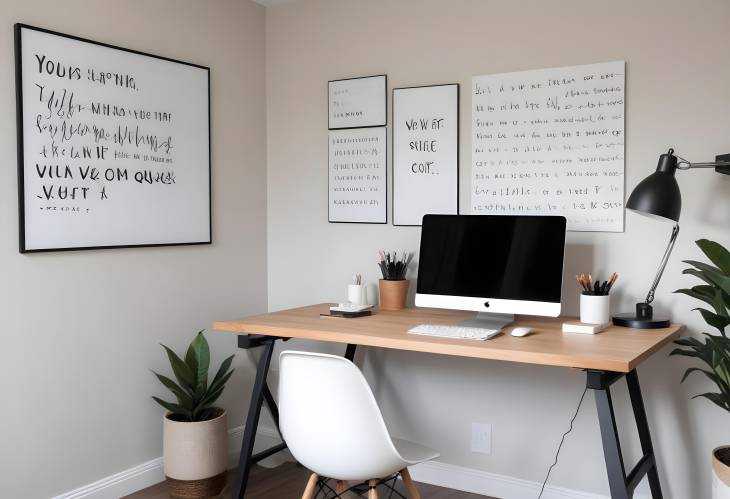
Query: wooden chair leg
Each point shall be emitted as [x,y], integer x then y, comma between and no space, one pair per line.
[340,487]
[311,487]
[373,489]
[410,486]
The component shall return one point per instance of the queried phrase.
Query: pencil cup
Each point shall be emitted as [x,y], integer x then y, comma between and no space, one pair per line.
[357,294]
[594,309]
[393,294]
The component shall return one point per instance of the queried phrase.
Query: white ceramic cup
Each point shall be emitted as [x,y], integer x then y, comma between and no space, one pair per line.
[595,309]
[357,294]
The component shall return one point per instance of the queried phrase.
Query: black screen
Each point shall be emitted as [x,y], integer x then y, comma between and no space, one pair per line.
[492,256]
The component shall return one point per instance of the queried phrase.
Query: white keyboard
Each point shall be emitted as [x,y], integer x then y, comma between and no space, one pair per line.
[458,332]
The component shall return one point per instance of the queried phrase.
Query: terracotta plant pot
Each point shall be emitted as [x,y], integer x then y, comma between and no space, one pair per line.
[393,294]
[196,456]
[721,472]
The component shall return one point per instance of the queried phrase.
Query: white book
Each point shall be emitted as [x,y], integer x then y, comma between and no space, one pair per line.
[583,328]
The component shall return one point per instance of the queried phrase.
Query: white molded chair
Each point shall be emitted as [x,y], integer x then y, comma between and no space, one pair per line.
[333,425]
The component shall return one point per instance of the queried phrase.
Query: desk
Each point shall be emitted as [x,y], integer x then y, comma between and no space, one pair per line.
[606,357]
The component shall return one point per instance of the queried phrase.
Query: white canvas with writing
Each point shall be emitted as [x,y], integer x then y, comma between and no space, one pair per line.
[357,102]
[551,142]
[357,175]
[425,152]
[115,146]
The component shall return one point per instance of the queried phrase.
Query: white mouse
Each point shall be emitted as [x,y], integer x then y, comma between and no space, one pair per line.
[522,331]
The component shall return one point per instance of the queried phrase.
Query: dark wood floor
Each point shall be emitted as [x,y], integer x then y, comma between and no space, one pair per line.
[287,482]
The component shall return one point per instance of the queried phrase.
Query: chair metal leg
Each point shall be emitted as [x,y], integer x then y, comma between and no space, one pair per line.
[410,486]
[246,459]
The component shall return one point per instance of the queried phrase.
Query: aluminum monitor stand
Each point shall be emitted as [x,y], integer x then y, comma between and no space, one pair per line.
[488,320]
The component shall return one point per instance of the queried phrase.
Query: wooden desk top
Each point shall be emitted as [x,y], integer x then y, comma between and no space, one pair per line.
[616,349]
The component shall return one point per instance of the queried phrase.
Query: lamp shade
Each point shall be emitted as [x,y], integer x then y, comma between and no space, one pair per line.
[658,194]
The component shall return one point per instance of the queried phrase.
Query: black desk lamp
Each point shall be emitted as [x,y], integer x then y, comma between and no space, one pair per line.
[658,196]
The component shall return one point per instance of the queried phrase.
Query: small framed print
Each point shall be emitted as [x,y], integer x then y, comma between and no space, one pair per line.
[358,186]
[357,102]
[425,152]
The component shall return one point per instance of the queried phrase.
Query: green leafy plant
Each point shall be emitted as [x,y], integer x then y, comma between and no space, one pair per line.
[195,397]
[714,351]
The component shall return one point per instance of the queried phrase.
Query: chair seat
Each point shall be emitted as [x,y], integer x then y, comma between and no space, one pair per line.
[413,453]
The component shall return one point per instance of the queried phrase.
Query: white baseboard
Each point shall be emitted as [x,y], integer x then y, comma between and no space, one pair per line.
[433,472]
[120,484]
[147,474]
[492,484]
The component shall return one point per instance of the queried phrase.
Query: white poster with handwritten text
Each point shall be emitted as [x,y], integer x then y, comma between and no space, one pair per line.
[551,142]
[357,175]
[425,152]
[357,102]
[115,146]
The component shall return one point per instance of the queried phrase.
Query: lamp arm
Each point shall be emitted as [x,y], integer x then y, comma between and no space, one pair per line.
[663,264]
[683,164]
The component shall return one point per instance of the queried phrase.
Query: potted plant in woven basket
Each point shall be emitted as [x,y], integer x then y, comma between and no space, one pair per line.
[195,433]
[713,350]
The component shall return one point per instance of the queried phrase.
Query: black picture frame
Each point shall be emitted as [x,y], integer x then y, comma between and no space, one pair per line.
[458,146]
[385,102]
[18,27]
[384,222]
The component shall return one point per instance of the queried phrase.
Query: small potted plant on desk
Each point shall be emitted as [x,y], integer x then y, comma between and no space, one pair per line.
[714,350]
[394,285]
[195,439]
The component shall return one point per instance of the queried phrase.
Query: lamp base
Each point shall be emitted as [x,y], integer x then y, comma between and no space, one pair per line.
[642,319]
[630,320]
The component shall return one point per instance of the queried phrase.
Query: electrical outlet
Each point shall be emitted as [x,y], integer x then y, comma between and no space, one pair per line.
[481,438]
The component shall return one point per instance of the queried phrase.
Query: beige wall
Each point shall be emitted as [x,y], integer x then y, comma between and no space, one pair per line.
[81,329]
[678,95]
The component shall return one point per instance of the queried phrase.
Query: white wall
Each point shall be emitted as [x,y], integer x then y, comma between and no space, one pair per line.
[677,95]
[81,329]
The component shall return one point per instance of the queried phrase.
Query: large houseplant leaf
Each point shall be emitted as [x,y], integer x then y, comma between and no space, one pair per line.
[717,398]
[704,293]
[714,274]
[716,253]
[194,395]
[198,360]
[699,274]
[182,372]
[183,398]
[175,408]
[218,383]
[714,351]
[719,322]
[222,369]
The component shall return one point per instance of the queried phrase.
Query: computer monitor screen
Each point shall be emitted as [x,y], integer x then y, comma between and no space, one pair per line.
[492,263]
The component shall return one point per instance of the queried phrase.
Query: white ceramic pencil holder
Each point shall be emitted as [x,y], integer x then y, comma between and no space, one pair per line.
[357,294]
[594,309]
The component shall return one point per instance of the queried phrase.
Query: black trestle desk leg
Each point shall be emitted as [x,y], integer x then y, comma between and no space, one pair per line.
[611,445]
[637,402]
[350,352]
[252,419]
[273,408]
[622,485]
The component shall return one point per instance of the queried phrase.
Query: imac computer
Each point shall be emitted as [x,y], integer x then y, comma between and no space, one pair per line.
[496,265]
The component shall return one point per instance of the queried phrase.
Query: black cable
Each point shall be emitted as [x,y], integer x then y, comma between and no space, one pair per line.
[560,445]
